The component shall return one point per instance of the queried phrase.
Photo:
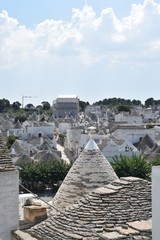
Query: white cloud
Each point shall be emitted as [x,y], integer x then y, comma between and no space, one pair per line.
[7,24]
[87,37]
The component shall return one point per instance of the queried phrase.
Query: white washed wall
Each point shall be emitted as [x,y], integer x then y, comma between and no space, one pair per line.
[155,203]
[134,135]
[9,209]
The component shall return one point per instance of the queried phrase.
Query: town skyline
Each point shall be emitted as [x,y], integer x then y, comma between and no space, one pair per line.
[94,50]
[6,104]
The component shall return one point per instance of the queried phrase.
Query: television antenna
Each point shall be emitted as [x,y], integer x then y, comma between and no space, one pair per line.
[24,97]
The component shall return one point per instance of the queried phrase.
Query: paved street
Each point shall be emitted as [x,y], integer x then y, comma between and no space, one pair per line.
[64,157]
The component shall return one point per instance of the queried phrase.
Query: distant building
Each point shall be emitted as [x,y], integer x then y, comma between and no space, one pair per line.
[93,109]
[133,133]
[127,118]
[112,147]
[66,106]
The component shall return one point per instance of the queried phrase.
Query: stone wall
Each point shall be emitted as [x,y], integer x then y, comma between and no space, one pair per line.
[9,190]
[19,235]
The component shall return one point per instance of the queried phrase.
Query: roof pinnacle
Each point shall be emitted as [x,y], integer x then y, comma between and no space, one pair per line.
[91,145]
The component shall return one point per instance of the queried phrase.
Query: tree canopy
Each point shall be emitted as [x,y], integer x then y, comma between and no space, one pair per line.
[82,105]
[135,166]
[151,102]
[6,106]
[10,140]
[16,105]
[118,101]
[37,176]
[45,105]
[124,108]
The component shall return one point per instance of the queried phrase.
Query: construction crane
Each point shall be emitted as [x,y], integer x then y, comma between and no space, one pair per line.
[23,97]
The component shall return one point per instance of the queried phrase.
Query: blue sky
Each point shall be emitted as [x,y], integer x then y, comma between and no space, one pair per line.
[30,12]
[94,49]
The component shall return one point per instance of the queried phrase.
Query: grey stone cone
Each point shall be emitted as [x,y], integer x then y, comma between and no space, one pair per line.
[90,171]
[119,210]
[6,163]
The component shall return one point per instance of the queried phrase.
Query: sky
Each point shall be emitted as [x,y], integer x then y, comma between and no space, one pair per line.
[94,49]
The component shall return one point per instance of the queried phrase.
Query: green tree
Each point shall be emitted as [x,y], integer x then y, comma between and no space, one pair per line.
[136,102]
[156,161]
[30,106]
[49,112]
[62,138]
[114,101]
[37,176]
[4,104]
[149,102]
[16,105]
[10,140]
[82,105]
[156,102]
[39,108]
[123,108]
[135,166]
[21,118]
[45,105]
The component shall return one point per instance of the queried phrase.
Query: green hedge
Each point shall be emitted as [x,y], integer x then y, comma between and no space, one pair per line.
[135,166]
[39,176]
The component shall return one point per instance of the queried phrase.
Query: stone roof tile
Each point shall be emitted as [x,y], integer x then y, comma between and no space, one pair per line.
[103,214]
[90,171]
[6,163]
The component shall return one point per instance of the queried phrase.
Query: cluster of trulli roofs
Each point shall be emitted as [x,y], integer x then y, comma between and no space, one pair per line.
[92,202]
[115,134]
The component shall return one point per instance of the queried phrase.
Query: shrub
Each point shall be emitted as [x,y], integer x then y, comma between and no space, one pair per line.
[10,140]
[156,161]
[135,166]
[37,176]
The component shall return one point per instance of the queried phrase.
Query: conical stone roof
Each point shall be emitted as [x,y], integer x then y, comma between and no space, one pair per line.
[90,171]
[19,149]
[7,125]
[18,125]
[50,156]
[52,119]
[6,163]
[147,140]
[34,117]
[45,146]
[104,213]
[154,147]
[24,159]
[157,150]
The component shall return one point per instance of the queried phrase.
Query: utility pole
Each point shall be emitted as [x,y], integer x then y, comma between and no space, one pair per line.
[23,97]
